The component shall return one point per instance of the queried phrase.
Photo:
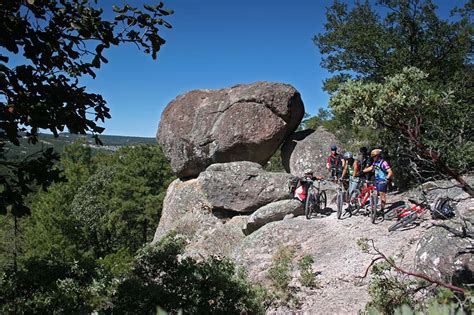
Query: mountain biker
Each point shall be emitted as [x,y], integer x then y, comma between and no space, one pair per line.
[301,191]
[334,163]
[351,169]
[365,161]
[383,173]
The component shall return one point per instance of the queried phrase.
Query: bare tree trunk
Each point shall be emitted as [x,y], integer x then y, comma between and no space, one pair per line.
[445,169]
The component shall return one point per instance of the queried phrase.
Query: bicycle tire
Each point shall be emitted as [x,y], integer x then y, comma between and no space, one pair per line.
[340,204]
[307,206]
[403,221]
[373,207]
[393,213]
[322,200]
[354,204]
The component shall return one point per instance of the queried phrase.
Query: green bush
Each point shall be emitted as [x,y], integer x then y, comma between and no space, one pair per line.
[307,277]
[279,272]
[386,291]
[162,277]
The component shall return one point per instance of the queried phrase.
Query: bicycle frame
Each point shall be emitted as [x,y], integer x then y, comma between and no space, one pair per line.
[408,214]
[418,207]
[409,210]
[365,192]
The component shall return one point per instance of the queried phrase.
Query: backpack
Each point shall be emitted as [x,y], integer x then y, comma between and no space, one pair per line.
[443,209]
[335,162]
[296,189]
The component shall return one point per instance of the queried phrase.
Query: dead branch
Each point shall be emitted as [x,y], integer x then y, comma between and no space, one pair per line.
[382,256]
[464,233]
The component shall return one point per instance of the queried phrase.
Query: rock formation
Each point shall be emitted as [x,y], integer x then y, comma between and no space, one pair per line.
[307,149]
[237,210]
[242,186]
[240,123]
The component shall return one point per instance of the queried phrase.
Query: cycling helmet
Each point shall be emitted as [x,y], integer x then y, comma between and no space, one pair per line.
[308,171]
[348,155]
[333,147]
[375,152]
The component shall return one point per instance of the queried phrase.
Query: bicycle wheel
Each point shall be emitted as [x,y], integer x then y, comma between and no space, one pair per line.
[403,221]
[322,200]
[373,207]
[308,205]
[354,204]
[340,204]
[393,213]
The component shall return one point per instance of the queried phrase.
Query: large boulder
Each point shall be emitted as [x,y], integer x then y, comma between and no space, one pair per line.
[240,123]
[211,210]
[445,253]
[242,186]
[274,211]
[185,209]
[307,149]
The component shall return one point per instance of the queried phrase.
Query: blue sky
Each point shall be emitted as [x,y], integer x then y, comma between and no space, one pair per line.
[215,44]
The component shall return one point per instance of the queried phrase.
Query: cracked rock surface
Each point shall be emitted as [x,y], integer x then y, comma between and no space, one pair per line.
[308,149]
[242,186]
[240,123]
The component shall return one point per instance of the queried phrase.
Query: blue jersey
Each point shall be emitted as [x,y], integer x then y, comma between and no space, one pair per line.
[381,168]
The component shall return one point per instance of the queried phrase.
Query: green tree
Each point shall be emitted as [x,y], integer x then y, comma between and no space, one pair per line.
[51,230]
[59,42]
[363,42]
[120,205]
[431,131]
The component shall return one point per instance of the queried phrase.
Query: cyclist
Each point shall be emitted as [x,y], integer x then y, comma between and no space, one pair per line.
[351,169]
[365,161]
[334,163]
[308,174]
[383,173]
[303,184]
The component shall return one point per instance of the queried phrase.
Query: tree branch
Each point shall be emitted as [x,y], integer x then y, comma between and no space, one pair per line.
[409,273]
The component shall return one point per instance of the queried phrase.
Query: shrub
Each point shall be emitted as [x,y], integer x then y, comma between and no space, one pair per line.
[162,277]
[307,277]
[279,272]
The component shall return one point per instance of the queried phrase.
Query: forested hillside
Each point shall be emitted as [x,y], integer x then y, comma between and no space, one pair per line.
[109,143]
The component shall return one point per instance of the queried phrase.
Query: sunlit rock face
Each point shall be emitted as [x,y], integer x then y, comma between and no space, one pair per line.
[240,123]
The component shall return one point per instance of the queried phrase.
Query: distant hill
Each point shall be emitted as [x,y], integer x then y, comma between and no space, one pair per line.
[110,143]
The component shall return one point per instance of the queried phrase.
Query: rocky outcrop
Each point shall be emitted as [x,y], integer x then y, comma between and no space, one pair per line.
[445,255]
[220,239]
[240,123]
[307,149]
[445,250]
[242,186]
[208,209]
[338,261]
[271,212]
[185,209]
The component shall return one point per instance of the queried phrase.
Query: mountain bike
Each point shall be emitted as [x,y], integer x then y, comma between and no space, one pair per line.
[360,197]
[408,214]
[316,198]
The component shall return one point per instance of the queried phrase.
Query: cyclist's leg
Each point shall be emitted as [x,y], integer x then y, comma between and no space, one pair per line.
[353,184]
[382,190]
